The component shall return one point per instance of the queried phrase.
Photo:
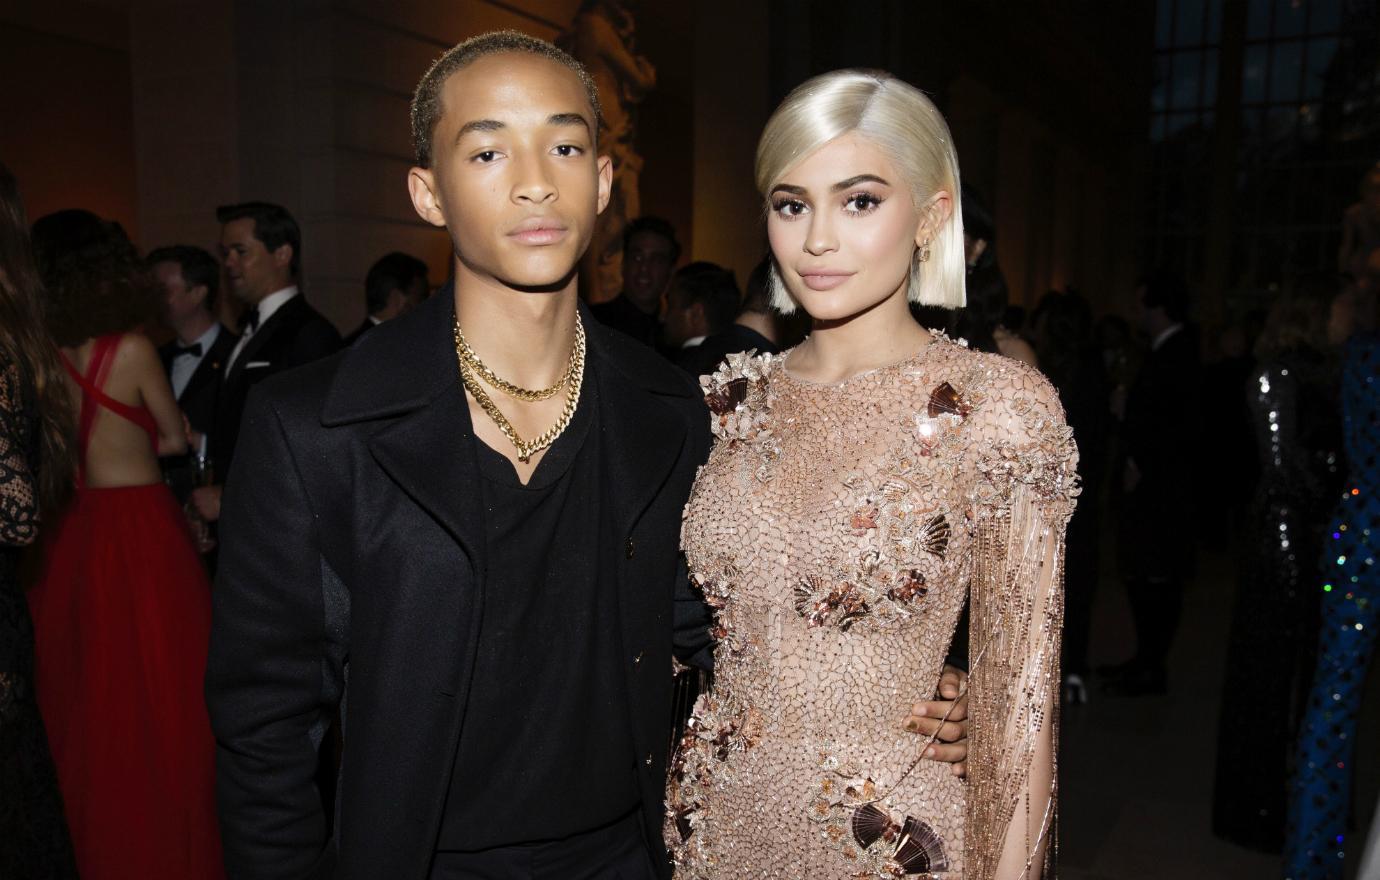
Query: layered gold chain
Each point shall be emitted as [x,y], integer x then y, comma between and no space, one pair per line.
[472,369]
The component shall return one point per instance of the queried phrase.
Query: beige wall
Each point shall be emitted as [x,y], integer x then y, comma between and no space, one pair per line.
[66,129]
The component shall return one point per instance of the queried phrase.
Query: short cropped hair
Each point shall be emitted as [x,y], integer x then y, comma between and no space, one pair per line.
[273,226]
[656,226]
[395,271]
[426,101]
[904,124]
[198,268]
[714,288]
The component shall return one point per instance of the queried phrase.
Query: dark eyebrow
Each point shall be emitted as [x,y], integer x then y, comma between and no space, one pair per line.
[790,188]
[478,125]
[569,119]
[854,181]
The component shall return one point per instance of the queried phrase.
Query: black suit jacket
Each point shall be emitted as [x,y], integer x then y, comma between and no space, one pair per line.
[360,331]
[353,548]
[296,334]
[1163,420]
[200,398]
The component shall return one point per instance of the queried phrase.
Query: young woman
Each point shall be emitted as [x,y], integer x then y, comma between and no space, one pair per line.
[35,475]
[122,608]
[860,486]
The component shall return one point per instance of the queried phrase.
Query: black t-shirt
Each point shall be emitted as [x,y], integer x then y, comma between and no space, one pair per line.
[620,314]
[546,750]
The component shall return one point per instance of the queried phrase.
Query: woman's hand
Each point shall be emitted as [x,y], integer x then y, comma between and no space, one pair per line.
[951,744]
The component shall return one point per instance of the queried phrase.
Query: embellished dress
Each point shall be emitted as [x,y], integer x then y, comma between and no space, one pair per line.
[836,530]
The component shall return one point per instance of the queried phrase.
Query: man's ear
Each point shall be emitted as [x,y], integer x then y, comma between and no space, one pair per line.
[201,291]
[282,256]
[426,195]
[605,182]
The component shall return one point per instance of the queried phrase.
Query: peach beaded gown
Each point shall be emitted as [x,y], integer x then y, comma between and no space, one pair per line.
[836,530]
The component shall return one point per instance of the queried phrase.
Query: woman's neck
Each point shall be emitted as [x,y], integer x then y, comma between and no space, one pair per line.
[876,337]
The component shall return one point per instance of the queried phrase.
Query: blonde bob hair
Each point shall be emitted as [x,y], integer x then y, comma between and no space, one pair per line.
[905,124]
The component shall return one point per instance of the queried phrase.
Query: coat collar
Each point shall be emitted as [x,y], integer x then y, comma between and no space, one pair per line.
[404,364]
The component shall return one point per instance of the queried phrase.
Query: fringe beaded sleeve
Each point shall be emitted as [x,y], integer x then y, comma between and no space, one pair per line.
[1023,495]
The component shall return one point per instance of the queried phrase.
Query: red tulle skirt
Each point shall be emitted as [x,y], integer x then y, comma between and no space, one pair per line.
[122,615]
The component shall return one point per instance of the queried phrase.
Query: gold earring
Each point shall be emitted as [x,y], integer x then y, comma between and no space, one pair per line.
[923,252]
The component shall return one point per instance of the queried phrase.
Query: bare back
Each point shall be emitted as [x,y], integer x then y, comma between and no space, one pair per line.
[117,450]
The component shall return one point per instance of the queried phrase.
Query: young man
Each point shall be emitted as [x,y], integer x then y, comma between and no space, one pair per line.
[495,572]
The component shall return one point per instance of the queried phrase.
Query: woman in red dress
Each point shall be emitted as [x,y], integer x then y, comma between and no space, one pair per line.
[122,608]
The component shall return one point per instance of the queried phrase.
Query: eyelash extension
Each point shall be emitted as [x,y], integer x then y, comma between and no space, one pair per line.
[875,200]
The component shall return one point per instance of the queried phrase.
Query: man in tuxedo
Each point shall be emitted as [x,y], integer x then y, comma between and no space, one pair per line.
[650,252]
[261,247]
[396,284]
[201,344]
[1163,418]
[503,611]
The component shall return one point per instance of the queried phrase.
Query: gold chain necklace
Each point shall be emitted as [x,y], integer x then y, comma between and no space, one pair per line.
[471,369]
[470,359]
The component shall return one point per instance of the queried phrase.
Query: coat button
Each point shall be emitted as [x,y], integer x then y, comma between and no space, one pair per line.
[649,759]
[628,549]
[638,658]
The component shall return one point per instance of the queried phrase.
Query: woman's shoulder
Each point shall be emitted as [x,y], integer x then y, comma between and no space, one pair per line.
[737,393]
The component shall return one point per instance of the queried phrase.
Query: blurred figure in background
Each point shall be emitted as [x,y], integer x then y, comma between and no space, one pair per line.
[35,479]
[1071,360]
[1361,228]
[702,301]
[261,248]
[194,358]
[1162,422]
[754,329]
[1317,831]
[122,608]
[650,253]
[982,321]
[1292,400]
[396,284]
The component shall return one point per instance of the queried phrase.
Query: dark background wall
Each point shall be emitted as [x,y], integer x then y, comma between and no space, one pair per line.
[154,111]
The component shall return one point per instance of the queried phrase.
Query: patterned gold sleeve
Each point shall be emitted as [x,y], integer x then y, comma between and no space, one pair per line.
[1026,487]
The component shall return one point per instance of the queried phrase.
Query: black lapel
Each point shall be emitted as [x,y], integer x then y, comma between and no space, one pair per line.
[289,315]
[430,454]
[405,370]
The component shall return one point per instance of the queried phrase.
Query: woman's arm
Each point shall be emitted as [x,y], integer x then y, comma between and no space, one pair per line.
[1027,486]
[141,359]
[18,505]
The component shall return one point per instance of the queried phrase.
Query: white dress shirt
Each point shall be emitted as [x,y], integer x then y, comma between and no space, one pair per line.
[184,365]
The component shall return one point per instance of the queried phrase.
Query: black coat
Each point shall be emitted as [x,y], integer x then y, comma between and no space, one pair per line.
[296,334]
[353,545]
[200,399]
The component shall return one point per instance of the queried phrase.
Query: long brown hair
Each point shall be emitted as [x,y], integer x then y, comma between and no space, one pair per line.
[25,341]
[92,276]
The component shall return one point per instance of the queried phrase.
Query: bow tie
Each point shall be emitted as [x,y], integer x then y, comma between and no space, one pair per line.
[194,350]
[249,321]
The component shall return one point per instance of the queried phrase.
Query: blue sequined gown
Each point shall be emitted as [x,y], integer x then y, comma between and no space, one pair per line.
[1317,839]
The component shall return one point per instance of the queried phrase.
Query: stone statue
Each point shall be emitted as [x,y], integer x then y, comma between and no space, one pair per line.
[603,38]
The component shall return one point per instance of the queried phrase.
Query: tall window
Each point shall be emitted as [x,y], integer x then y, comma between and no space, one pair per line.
[1182,109]
[1309,126]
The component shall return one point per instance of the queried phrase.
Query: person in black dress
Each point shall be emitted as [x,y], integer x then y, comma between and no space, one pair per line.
[1292,396]
[35,473]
